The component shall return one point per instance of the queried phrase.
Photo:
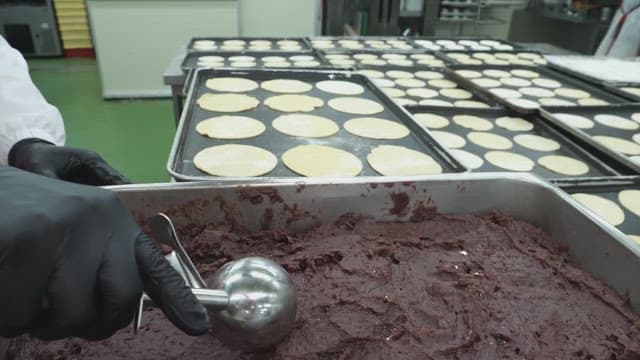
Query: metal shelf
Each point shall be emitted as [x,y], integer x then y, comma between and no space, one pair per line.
[458,4]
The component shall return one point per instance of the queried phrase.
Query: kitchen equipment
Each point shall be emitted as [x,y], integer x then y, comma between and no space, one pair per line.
[253,305]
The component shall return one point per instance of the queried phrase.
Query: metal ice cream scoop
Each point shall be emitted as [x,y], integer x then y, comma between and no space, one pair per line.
[252,303]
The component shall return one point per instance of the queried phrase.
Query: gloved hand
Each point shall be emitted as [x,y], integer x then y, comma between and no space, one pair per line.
[60,162]
[74,263]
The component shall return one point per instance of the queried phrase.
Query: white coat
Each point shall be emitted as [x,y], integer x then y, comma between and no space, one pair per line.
[24,112]
[623,37]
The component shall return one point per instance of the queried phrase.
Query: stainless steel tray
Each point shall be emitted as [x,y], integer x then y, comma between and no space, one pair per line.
[191,59]
[609,189]
[187,142]
[477,96]
[357,63]
[585,135]
[508,45]
[303,42]
[362,40]
[594,245]
[565,80]
[568,147]
[475,54]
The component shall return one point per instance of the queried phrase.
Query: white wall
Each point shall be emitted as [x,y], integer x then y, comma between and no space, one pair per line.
[280,17]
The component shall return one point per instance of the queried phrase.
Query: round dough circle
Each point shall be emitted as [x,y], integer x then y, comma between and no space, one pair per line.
[435,102]
[375,128]
[340,87]
[428,75]
[575,121]
[211,58]
[293,103]
[616,122]
[273,59]
[536,92]
[485,82]
[536,142]
[374,74]
[355,105]
[469,74]
[442,83]
[404,101]
[411,83]
[524,103]
[509,161]
[393,92]
[383,83]
[516,82]
[456,93]
[286,86]
[320,160]
[231,84]
[514,123]
[556,102]
[525,73]
[391,160]
[467,159]
[399,74]
[227,102]
[422,93]
[621,145]
[636,138]
[630,199]
[496,73]
[305,125]
[608,210]
[546,83]
[431,121]
[489,140]
[592,102]
[564,165]
[449,140]
[230,127]
[234,42]
[473,122]
[243,64]
[242,58]
[572,93]
[373,62]
[233,160]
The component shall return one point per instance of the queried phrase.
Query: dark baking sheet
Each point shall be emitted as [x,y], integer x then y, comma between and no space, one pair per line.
[304,44]
[191,59]
[187,142]
[476,95]
[417,40]
[609,189]
[566,81]
[584,135]
[451,59]
[361,39]
[617,89]
[358,64]
[568,147]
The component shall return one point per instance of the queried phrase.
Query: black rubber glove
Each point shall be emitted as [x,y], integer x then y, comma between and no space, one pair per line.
[60,162]
[74,263]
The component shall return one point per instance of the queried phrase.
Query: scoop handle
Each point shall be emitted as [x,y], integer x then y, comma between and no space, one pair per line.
[210,298]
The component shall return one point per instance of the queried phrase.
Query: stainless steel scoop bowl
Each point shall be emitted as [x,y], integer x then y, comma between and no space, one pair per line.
[252,302]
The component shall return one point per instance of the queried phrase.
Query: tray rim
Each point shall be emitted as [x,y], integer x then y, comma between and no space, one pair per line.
[439,149]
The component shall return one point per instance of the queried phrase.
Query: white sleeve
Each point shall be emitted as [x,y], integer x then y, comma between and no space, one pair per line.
[24,112]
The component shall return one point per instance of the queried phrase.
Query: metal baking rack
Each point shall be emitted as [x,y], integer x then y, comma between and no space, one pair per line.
[609,189]
[187,142]
[387,81]
[597,167]
[302,42]
[585,135]
[565,80]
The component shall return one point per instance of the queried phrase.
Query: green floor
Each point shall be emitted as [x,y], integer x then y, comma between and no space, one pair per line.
[133,135]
